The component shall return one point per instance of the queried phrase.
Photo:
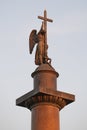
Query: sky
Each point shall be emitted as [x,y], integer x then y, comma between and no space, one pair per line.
[67,40]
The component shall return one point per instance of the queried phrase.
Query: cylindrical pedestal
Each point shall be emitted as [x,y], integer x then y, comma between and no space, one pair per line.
[45,117]
[45,76]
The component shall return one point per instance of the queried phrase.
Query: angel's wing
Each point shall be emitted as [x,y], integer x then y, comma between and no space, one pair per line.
[33,39]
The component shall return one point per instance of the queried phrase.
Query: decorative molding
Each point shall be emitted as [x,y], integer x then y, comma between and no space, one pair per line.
[48,99]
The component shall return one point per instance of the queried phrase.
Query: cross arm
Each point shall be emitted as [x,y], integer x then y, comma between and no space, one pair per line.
[45,19]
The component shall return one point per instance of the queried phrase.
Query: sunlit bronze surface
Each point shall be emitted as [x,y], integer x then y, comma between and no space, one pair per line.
[45,117]
[44,101]
[40,39]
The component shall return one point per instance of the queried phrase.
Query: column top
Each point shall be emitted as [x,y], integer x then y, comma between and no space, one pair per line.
[45,68]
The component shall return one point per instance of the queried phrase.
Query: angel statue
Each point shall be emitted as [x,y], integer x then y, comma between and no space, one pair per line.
[41,48]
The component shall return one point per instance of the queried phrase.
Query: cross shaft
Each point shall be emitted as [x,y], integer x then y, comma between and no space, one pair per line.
[45,20]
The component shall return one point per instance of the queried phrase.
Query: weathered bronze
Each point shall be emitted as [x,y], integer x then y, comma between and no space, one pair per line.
[41,39]
[44,101]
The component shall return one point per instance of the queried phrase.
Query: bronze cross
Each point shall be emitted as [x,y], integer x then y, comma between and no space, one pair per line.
[45,19]
[45,23]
